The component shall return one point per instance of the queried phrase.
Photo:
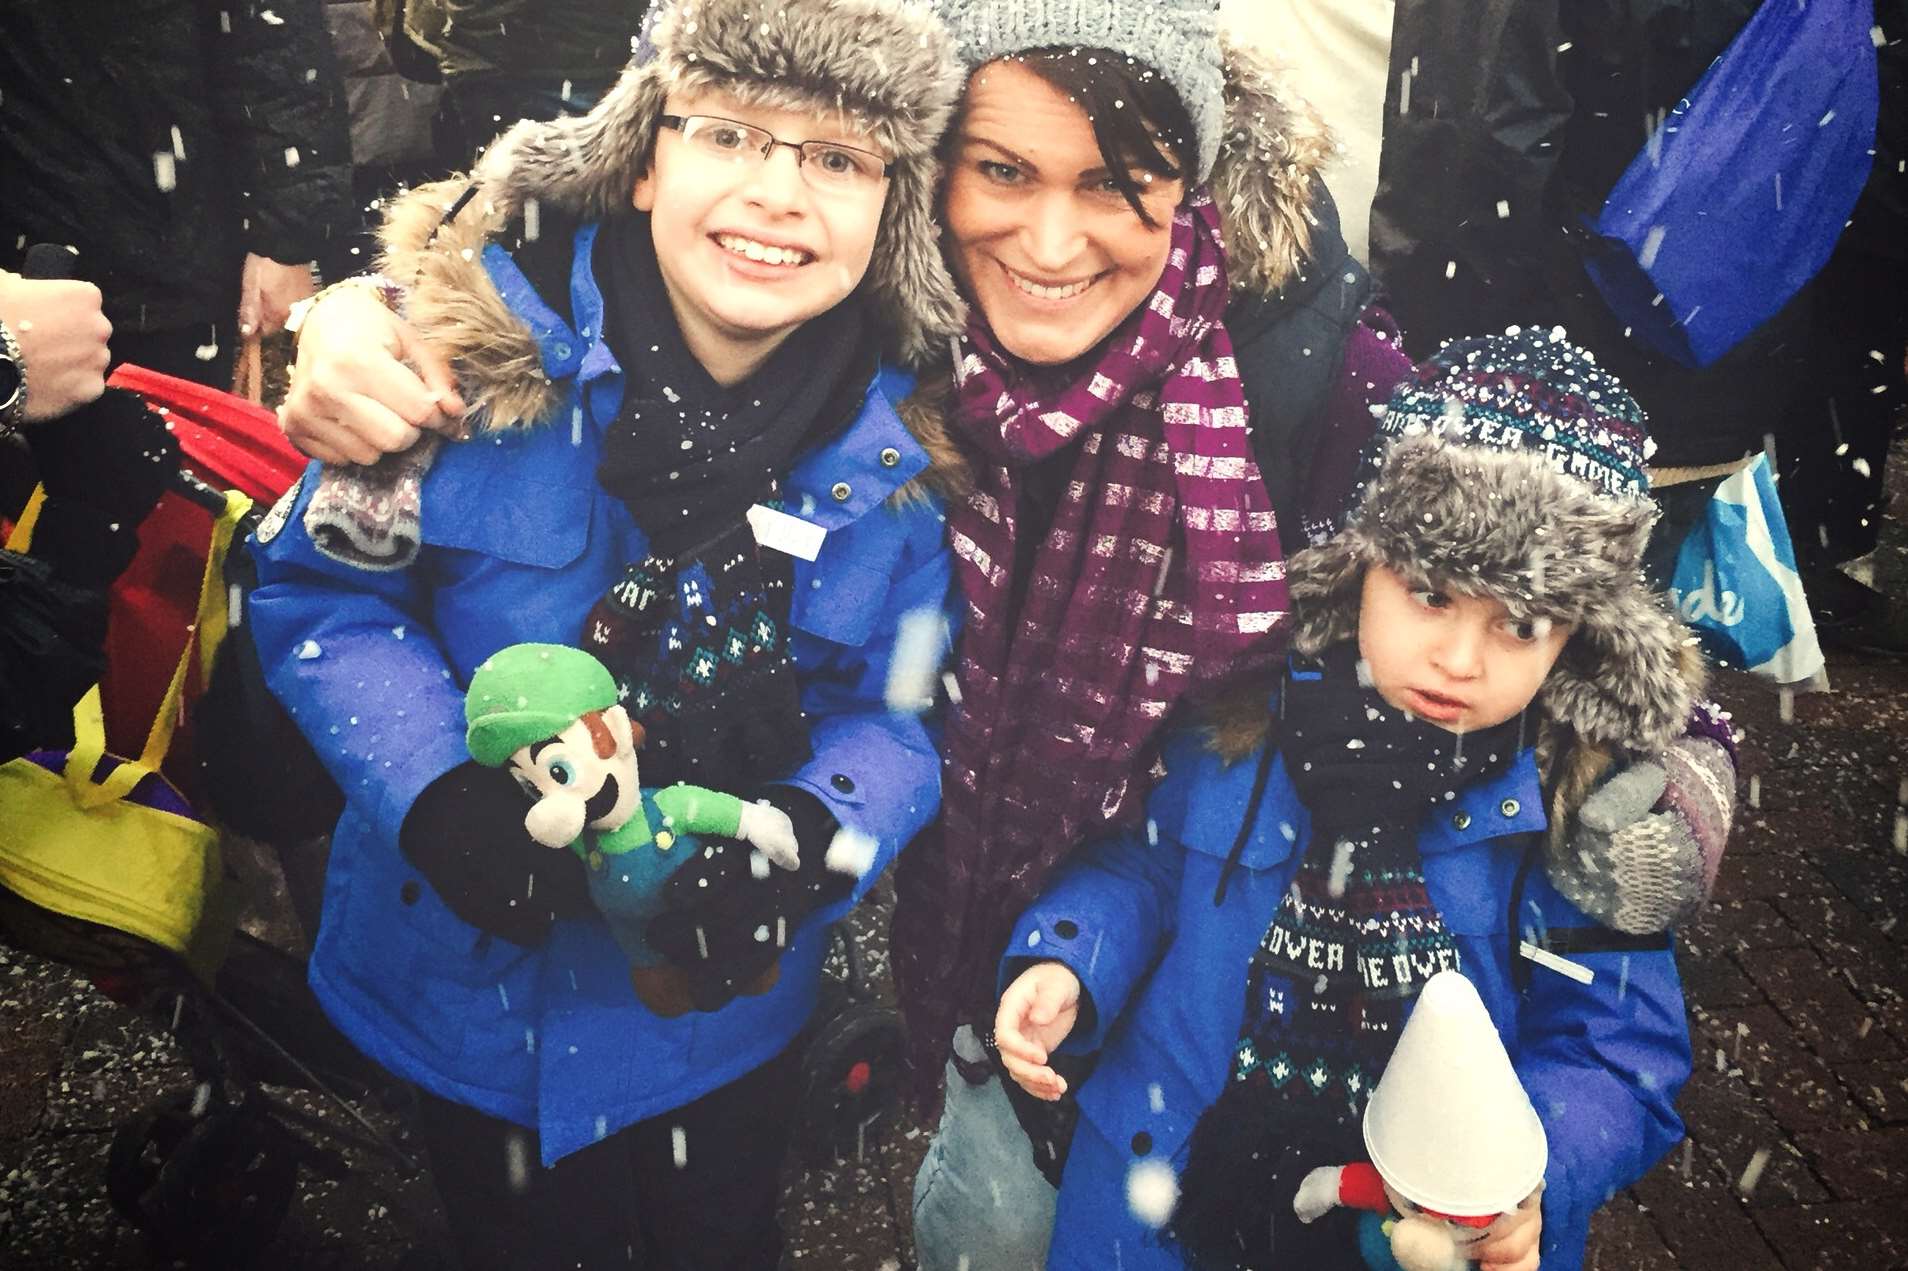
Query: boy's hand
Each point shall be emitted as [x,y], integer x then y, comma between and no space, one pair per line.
[364,384]
[465,835]
[1036,1013]
[1512,1244]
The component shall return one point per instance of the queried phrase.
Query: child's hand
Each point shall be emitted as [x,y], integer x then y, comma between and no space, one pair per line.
[1036,1013]
[1512,1244]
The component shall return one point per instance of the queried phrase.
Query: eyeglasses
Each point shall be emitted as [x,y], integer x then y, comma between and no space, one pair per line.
[827,166]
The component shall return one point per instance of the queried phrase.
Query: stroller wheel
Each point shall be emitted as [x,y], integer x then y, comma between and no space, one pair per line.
[209,1185]
[850,1076]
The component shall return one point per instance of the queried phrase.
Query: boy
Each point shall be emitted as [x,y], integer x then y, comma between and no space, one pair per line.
[667,316]
[1474,646]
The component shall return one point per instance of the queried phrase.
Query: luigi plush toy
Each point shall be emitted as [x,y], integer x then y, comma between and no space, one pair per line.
[551,715]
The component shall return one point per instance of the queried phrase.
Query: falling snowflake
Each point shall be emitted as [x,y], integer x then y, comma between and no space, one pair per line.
[1152,1191]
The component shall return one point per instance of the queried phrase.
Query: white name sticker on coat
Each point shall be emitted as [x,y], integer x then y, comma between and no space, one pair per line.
[1562,966]
[786,533]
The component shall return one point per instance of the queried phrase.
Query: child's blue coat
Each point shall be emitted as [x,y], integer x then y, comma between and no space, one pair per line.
[1166,971]
[519,543]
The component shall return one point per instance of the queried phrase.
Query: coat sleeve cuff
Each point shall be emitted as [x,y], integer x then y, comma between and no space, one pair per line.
[1047,935]
[815,826]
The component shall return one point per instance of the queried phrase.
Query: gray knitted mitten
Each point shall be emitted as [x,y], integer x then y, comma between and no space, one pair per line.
[368,515]
[1644,851]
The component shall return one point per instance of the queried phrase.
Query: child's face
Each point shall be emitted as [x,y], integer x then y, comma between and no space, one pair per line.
[1461,662]
[710,210]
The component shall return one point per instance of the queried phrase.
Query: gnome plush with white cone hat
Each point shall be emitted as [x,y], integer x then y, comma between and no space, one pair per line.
[1455,1145]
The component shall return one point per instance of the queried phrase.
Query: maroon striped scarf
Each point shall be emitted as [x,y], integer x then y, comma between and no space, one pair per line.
[1161,571]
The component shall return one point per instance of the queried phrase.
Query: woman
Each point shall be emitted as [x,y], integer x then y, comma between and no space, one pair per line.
[1075,177]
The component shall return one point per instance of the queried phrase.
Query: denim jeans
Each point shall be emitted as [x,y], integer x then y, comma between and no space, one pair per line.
[979,1202]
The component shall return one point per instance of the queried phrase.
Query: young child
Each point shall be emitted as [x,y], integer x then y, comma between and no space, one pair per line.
[1472,651]
[669,317]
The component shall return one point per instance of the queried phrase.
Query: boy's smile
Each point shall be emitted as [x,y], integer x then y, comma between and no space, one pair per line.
[1461,662]
[748,248]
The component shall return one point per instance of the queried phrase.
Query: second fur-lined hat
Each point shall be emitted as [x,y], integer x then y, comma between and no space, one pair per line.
[888,64]
[1512,466]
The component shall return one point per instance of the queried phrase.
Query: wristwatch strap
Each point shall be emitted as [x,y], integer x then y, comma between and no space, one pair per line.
[13,407]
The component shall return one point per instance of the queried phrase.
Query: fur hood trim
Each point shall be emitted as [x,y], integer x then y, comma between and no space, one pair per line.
[889,65]
[459,315]
[1508,525]
[1267,177]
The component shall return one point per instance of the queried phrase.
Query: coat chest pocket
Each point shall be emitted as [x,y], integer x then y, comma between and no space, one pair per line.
[1471,885]
[841,595]
[498,516]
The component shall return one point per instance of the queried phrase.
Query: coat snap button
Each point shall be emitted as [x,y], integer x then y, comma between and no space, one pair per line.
[842,782]
[1066,929]
[1509,807]
[410,891]
[841,490]
[1142,1143]
[890,457]
[563,352]
[1462,821]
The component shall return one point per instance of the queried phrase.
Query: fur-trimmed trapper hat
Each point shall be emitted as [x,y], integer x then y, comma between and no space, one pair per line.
[889,64]
[1512,467]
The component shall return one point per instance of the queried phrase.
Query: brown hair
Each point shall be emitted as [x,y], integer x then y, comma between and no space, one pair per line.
[1137,117]
[603,741]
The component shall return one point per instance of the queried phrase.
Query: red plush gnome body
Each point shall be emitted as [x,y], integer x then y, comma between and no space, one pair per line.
[1455,1144]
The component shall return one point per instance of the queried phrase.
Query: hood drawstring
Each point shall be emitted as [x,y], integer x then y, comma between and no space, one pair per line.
[1259,779]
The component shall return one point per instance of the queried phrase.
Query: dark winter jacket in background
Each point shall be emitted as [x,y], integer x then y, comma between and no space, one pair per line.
[1506,123]
[52,636]
[1290,347]
[234,104]
[526,39]
[390,114]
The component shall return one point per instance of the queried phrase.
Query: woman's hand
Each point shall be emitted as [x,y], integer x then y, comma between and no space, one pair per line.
[1512,1244]
[364,384]
[1036,1013]
[62,336]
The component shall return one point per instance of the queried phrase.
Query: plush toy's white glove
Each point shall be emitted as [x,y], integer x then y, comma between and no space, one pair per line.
[1317,1194]
[770,831]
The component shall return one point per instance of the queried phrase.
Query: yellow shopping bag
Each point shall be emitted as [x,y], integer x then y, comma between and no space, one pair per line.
[108,841]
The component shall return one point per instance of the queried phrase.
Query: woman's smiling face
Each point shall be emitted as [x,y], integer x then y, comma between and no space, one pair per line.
[1040,237]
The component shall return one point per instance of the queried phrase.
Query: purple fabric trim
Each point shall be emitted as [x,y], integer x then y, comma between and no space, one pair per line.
[151,792]
[1707,721]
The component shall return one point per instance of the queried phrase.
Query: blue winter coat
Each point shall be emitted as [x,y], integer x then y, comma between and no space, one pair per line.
[519,541]
[1165,970]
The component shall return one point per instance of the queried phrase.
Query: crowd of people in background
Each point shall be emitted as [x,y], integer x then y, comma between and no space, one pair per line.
[1114,333]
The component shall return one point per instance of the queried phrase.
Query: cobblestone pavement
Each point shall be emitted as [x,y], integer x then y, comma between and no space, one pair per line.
[1797,1156]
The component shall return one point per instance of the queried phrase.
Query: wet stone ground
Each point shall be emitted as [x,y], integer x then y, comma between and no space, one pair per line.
[1797,1155]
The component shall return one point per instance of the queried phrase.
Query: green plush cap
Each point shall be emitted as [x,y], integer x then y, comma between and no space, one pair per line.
[528,692]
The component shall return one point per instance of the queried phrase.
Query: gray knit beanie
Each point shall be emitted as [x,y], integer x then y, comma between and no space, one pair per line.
[1177,38]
